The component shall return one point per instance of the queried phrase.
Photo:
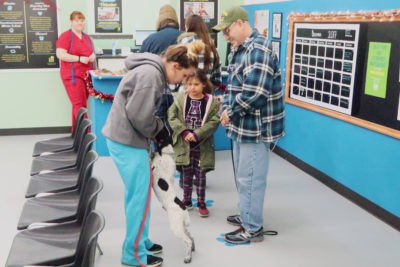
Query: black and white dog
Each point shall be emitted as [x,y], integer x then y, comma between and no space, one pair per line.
[163,166]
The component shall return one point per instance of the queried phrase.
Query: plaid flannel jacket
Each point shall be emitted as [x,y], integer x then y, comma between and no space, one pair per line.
[254,96]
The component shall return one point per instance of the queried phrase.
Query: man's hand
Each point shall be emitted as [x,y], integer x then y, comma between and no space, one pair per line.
[225,118]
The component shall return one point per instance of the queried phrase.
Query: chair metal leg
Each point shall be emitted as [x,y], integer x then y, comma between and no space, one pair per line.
[99,248]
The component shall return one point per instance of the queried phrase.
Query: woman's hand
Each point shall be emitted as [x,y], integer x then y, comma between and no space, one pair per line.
[84,60]
[92,57]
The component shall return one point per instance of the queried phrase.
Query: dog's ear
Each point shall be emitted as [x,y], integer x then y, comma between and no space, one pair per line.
[159,148]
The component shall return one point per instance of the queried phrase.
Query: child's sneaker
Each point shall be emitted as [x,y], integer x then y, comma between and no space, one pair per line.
[188,204]
[203,211]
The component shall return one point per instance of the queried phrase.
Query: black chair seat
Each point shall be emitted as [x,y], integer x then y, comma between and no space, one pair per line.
[68,244]
[63,160]
[39,165]
[64,155]
[53,145]
[61,143]
[50,209]
[53,245]
[61,207]
[62,180]
[53,182]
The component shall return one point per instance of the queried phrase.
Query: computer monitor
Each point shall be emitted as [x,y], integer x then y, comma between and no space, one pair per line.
[141,35]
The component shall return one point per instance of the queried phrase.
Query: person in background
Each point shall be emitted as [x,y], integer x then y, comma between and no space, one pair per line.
[76,54]
[167,32]
[194,118]
[166,35]
[253,113]
[130,126]
[196,29]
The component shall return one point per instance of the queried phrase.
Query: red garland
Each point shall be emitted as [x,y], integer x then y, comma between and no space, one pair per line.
[221,87]
[95,93]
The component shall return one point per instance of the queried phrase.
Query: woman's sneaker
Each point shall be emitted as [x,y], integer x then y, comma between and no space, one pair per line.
[156,248]
[203,211]
[234,220]
[152,261]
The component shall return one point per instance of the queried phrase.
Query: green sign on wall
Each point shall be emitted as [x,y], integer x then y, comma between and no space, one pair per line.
[377,69]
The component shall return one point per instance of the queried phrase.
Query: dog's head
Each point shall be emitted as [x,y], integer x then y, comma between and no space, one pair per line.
[163,139]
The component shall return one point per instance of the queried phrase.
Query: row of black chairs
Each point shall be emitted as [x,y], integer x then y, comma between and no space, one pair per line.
[59,223]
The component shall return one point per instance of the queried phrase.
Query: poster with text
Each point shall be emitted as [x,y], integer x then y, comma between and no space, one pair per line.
[108,16]
[28,34]
[377,69]
[207,9]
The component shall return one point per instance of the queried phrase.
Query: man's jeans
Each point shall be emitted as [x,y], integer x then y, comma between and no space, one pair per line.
[251,167]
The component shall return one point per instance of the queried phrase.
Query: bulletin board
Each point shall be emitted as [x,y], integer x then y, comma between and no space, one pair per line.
[28,35]
[347,65]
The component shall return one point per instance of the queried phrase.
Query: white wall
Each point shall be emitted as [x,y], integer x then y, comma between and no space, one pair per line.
[253,2]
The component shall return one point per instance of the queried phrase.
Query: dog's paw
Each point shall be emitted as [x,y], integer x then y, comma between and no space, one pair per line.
[187,260]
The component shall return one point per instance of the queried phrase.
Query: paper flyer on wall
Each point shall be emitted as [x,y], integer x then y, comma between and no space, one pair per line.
[261,21]
[377,69]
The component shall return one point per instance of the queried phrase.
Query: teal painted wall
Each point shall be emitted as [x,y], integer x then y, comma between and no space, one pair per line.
[38,99]
[364,161]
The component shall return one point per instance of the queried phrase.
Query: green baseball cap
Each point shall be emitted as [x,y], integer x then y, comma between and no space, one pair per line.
[230,16]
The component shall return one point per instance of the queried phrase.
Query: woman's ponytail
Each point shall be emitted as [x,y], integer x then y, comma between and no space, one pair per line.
[185,55]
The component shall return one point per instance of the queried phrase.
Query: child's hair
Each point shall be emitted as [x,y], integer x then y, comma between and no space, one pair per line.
[185,55]
[202,76]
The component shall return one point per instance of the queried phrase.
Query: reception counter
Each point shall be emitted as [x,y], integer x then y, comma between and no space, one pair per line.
[99,112]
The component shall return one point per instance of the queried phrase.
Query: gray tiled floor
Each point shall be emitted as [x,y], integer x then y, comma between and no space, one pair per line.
[316,226]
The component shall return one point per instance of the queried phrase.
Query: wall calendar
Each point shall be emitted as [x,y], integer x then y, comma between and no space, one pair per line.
[323,64]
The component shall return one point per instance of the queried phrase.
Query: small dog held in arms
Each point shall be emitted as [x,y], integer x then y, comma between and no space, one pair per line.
[163,166]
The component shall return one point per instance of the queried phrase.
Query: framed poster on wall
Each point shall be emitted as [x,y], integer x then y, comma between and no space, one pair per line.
[108,16]
[276,25]
[28,34]
[276,48]
[207,9]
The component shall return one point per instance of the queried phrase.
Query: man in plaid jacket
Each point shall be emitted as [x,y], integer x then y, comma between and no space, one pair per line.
[253,113]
